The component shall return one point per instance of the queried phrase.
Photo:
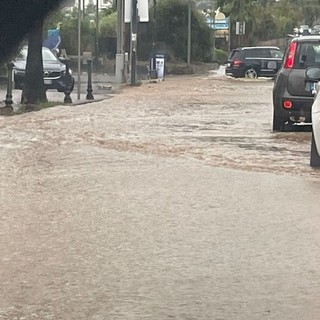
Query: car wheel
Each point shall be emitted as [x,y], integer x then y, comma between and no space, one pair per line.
[278,123]
[314,155]
[251,74]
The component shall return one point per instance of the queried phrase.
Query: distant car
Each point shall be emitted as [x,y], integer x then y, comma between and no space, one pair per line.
[254,62]
[292,95]
[304,30]
[54,71]
[313,77]
[315,29]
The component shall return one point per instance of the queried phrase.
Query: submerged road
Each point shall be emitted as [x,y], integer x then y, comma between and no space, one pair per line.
[169,201]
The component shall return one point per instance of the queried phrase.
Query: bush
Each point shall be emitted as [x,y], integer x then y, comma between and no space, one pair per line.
[221,56]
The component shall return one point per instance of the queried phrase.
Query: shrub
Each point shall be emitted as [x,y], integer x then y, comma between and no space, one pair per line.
[221,56]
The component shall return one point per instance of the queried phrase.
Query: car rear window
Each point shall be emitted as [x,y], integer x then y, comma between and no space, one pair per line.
[258,53]
[233,53]
[307,55]
[275,53]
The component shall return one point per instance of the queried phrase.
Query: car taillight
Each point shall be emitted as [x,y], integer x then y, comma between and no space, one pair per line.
[287,104]
[236,63]
[288,64]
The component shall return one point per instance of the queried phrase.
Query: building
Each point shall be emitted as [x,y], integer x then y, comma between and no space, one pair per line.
[102,4]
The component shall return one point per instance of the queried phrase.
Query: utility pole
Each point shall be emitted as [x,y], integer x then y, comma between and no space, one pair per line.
[120,59]
[83,8]
[79,48]
[97,36]
[133,49]
[189,33]
[120,26]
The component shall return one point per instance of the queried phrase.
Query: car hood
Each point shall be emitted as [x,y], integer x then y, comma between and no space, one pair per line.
[47,65]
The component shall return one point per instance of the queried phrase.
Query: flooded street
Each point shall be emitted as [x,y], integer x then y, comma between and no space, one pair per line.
[171,200]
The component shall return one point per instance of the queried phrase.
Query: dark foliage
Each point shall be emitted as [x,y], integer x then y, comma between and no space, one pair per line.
[17,18]
[172,31]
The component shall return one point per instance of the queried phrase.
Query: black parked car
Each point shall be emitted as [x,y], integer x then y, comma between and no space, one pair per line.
[54,71]
[253,62]
[292,94]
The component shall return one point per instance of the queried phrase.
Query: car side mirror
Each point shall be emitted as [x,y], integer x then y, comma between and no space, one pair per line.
[313,74]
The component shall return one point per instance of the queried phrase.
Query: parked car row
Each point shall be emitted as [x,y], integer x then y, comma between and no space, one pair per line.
[296,73]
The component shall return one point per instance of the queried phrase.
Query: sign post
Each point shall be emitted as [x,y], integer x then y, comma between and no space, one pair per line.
[135,11]
[219,23]
[240,31]
[133,49]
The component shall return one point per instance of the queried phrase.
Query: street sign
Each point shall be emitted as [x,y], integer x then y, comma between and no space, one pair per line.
[240,28]
[218,24]
[221,26]
[143,10]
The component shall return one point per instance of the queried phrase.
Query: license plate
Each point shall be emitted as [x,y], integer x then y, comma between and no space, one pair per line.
[47,81]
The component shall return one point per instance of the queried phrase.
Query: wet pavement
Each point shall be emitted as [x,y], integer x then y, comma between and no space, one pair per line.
[173,200]
[102,86]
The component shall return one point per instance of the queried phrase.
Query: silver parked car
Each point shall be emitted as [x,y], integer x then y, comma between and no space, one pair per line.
[313,77]
[54,71]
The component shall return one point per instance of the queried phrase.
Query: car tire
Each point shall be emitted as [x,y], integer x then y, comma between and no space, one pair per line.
[314,155]
[251,74]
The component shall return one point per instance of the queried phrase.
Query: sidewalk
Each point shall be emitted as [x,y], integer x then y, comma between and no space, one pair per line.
[103,86]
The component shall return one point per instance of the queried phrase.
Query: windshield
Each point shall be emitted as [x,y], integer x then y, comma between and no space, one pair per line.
[47,55]
[275,53]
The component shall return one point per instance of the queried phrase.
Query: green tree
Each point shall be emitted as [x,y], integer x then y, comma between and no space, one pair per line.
[108,25]
[172,33]
[241,11]
[17,18]
[310,11]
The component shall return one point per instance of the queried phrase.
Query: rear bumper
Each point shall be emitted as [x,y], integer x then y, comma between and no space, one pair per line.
[300,111]
[238,73]
[62,84]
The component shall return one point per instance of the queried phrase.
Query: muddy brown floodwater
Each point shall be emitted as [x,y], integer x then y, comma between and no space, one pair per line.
[172,200]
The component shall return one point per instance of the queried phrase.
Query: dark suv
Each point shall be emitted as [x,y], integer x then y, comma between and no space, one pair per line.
[292,94]
[253,62]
